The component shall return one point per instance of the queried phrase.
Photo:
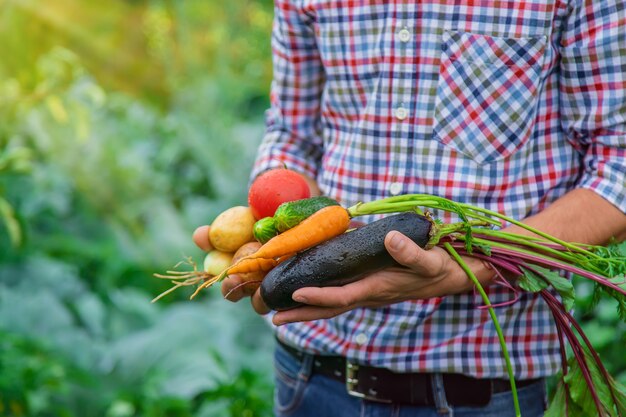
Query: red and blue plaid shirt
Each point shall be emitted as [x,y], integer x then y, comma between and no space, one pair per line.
[503,104]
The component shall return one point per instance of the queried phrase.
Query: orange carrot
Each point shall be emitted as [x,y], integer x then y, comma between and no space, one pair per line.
[321,226]
[246,265]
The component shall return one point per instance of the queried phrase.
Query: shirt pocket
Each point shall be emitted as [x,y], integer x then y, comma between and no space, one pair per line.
[487,93]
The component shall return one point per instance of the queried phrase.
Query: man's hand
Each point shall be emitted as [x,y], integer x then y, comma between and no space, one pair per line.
[232,288]
[423,274]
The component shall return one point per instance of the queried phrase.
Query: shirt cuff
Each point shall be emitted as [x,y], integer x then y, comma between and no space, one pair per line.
[606,175]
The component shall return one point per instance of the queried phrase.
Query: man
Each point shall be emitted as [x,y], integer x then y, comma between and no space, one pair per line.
[516,106]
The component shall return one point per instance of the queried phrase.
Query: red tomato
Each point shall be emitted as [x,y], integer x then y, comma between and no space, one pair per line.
[272,188]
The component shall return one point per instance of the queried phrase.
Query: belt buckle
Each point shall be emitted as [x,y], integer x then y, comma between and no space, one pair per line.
[352,382]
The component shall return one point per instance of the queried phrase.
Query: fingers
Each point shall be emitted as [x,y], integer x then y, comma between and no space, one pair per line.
[234,288]
[306,313]
[408,253]
[324,303]
[231,290]
[258,304]
[201,238]
[350,295]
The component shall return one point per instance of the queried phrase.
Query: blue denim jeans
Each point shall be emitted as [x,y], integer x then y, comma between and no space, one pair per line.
[299,393]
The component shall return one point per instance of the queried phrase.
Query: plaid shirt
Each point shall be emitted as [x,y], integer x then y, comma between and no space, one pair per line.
[502,104]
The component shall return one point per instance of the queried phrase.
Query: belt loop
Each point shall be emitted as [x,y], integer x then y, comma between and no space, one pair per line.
[306,367]
[439,394]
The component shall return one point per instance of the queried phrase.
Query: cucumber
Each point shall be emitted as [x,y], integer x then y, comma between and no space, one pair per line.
[264,229]
[288,215]
[341,260]
[291,213]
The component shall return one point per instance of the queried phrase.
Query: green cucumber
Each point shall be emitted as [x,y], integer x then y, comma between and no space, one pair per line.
[291,213]
[264,229]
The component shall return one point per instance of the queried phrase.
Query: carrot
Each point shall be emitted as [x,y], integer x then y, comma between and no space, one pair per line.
[321,226]
[246,265]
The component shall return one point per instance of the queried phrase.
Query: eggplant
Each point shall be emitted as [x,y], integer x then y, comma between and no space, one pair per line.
[342,259]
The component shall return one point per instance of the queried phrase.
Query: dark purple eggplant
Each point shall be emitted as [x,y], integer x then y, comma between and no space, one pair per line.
[341,260]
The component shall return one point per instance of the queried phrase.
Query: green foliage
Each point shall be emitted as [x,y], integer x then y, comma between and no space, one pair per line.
[123,126]
[32,377]
[532,282]
[603,326]
[13,161]
[66,351]
[611,394]
[618,274]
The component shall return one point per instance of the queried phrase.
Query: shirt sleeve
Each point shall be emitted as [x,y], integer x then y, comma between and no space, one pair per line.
[593,93]
[293,127]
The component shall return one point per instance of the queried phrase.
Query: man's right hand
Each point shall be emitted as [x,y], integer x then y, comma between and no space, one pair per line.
[232,290]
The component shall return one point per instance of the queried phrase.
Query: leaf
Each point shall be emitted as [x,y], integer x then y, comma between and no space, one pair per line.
[486,249]
[558,404]
[564,287]
[8,216]
[57,109]
[16,159]
[620,397]
[601,290]
[581,394]
[620,281]
[531,282]
[535,279]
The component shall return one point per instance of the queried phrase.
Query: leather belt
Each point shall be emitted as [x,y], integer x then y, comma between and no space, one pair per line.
[383,385]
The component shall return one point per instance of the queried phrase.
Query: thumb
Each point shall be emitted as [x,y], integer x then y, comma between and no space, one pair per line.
[409,254]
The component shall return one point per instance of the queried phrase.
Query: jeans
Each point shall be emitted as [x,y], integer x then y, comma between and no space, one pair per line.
[299,393]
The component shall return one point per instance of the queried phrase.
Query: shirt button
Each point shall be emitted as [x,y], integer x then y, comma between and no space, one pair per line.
[361,339]
[401,113]
[395,188]
[404,35]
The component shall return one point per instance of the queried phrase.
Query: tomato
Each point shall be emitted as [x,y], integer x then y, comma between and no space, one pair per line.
[272,188]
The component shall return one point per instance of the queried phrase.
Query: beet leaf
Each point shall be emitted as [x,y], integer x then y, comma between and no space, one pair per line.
[580,403]
[537,278]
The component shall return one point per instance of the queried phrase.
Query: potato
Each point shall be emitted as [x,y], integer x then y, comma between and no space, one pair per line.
[232,228]
[217,261]
[248,249]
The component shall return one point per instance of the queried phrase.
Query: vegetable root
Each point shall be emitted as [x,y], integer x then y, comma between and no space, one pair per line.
[236,287]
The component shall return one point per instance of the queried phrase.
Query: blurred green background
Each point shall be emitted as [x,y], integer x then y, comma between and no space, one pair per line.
[123,126]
